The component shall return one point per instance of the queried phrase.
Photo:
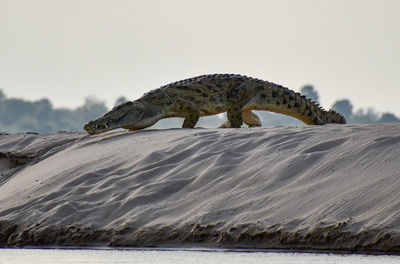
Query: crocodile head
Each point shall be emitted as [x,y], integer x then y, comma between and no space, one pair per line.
[130,115]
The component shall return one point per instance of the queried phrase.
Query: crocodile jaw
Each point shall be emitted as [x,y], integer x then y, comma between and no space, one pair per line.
[106,123]
[98,126]
[126,114]
[131,115]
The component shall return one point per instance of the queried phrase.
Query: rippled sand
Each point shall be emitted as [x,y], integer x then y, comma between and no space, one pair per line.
[332,187]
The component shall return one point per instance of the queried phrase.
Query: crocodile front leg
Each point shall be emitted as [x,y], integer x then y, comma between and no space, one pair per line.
[234,115]
[192,113]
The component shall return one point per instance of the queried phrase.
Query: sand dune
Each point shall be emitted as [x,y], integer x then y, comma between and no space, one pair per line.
[332,187]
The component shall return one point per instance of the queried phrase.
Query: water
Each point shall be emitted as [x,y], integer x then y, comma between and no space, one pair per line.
[176,256]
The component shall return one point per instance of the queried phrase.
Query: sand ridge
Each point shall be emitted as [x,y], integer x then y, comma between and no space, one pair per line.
[330,187]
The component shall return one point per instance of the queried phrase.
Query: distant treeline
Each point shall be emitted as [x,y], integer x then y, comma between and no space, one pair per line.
[17,115]
[345,107]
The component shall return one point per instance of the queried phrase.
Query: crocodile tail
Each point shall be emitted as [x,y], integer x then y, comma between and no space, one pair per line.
[282,100]
[314,114]
[336,117]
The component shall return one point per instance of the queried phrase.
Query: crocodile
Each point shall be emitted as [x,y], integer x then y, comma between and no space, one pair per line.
[212,94]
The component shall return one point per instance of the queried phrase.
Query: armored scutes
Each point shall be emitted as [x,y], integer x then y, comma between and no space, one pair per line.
[210,95]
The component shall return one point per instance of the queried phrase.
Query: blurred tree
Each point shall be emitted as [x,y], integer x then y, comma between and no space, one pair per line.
[43,110]
[120,100]
[27,123]
[17,115]
[90,110]
[388,118]
[64,119]
[369,116]
[2,95]
[343,107]
[13,110]
[310,92]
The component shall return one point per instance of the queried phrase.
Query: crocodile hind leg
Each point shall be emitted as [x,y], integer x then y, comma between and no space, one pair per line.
[226,124]
[250,119]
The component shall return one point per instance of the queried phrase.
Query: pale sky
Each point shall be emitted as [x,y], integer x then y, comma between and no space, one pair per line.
[66,50]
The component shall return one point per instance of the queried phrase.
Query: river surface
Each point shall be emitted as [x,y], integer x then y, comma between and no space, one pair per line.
[176,256]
